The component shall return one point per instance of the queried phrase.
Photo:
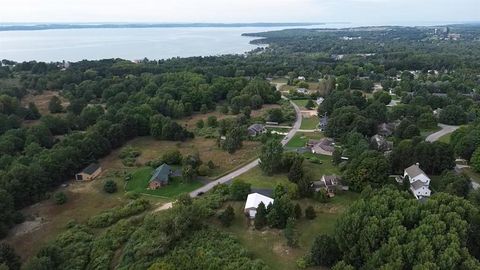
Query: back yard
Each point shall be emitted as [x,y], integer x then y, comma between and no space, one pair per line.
[270,244]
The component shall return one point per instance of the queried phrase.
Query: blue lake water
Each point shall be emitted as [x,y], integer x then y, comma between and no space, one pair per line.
[128,43]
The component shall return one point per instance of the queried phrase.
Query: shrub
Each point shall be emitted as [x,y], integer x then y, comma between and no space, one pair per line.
[172,157]
[60,198]
[239,190]
[110,217]
[203,170]
[110,186]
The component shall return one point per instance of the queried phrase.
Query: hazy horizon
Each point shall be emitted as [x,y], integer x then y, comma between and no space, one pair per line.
[241,11]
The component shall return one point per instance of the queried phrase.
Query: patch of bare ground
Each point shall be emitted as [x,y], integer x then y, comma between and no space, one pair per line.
[42,100]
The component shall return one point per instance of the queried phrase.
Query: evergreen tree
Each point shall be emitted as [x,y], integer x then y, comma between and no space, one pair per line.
[32,113]
[260,217]
[297,211]
[310,213]
[296,171]
[290,233]
[227,216]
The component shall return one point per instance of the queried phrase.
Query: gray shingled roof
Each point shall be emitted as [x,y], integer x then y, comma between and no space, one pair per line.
[256,127]
[414,170]
[91,168]
[161,174]
[418,184]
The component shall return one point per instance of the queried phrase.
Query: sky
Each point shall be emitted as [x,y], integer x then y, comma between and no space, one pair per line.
[360,11]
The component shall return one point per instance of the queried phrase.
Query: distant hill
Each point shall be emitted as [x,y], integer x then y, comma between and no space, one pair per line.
[31,27]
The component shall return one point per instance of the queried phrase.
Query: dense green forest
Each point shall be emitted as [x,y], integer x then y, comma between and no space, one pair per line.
[429,77]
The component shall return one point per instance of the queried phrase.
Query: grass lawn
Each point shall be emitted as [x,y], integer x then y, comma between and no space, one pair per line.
[300,102]
[445,138]
[259,180]
[139,184]
[270,246]
[427,132]
[301,138]
[310,122]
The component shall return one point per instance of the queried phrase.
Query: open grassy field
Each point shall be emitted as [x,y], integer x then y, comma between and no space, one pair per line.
[191,121]
[84,200]
[176,186]
[152,149]
[445,138]
[270,244]
[310,122]
[301,138]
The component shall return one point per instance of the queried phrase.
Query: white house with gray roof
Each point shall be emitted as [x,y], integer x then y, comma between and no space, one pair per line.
[419,181]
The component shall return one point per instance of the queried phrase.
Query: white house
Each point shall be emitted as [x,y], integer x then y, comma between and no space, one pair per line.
[419,181]
[253,200]
[302,91]
[319,101]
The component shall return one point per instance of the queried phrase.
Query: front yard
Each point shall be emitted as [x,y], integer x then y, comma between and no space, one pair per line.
[310,122]
[176,186]
[301,138]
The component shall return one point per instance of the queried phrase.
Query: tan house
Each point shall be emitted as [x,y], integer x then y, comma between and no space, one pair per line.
[89,173]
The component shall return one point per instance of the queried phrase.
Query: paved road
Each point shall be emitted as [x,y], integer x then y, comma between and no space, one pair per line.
[246,168]
[253,164]
[446,129]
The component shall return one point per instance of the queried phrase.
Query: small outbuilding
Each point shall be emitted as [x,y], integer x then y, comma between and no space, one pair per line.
[89,173]
[253,200]
[160,177]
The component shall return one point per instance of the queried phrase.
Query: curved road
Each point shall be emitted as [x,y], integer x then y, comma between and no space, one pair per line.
[247,167]
[253,164]
[446,129]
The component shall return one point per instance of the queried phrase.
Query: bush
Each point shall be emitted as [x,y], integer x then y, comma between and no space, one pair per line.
[110,186]
[239,190]
[110,217]
[129,155]
[172,157]
[60,198]
[203,170]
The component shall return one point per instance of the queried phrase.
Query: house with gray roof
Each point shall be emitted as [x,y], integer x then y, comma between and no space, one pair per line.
[160,177]
[419,181]
[256,129]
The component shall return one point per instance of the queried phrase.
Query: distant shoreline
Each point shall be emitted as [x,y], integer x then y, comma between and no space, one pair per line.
[57,26]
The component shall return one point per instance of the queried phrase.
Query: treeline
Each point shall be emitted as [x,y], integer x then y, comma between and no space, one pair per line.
[388,229]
